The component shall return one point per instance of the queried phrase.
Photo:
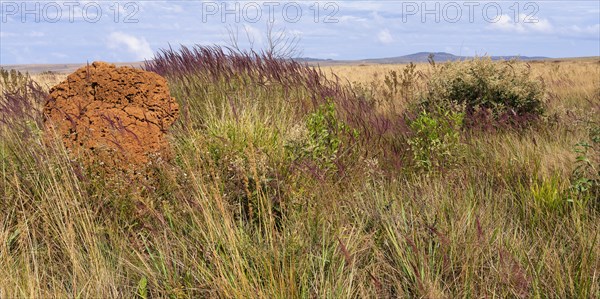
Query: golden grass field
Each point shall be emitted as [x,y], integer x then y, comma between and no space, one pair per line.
[581,74]
[502,220]
[573,86]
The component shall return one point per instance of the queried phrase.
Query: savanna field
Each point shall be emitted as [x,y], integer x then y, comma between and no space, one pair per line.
[471,179]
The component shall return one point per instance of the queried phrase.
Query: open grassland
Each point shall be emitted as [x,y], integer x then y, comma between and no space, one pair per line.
[287,184]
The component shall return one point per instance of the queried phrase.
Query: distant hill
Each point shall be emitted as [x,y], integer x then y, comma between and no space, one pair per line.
[443,57]
[64,68]
[416,58]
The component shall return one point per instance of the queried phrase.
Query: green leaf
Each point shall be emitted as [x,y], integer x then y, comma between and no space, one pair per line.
[142,291]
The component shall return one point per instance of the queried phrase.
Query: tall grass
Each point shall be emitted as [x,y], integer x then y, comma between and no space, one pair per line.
[266,200]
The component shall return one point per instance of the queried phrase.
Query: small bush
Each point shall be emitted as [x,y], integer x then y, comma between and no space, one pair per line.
[498,93]
[435,142]
[586,175]
[324,143]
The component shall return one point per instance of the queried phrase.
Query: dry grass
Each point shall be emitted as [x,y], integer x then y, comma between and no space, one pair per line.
[48,80]
[234,217]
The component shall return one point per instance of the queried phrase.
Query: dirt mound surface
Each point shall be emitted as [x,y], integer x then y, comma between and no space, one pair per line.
[117,117]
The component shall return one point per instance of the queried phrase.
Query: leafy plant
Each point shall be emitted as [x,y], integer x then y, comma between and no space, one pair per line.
[435,142]
[325,137]
[586,175]
[491,92]
[142,290]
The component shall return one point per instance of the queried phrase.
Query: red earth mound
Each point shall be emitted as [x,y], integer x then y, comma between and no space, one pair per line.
[117,117]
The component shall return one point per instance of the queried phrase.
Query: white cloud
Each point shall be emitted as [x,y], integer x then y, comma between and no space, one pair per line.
[529,26]
[36,34]
[385,37]
[523,25]
[139,47]
[7,34]
[352,19]
[591,30]
[542,25]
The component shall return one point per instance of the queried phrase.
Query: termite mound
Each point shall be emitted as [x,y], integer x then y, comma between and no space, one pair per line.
[115,117]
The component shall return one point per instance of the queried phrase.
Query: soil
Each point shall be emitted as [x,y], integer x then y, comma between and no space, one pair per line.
[117,117]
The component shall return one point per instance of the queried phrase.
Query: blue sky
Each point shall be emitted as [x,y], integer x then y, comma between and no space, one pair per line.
[124,31]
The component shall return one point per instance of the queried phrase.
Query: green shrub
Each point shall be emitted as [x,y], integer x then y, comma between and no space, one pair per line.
[435,142]
[491,92]
[324,128]
[325,138]
[586,175]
